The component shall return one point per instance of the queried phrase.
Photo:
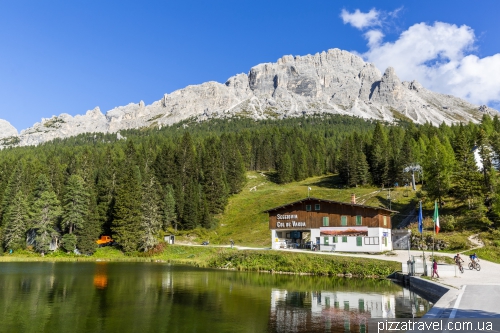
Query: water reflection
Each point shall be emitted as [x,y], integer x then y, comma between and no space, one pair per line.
[339,311]
[153,297]
[101,276]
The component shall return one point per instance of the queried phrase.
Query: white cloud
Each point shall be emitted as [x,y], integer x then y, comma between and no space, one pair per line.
[374,37]
[361,20]
[440,57]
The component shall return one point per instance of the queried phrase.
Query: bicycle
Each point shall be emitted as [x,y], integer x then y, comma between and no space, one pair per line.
[474,265]
[460,267]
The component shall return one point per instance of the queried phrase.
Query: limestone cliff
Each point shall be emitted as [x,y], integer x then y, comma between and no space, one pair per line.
[335,82]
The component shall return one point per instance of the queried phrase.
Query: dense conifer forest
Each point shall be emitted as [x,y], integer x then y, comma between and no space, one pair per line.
[68,192]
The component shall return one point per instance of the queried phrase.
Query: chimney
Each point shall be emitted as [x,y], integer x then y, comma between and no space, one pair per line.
[353,198]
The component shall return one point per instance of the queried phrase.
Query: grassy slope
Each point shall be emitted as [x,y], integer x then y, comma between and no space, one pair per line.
[245,222]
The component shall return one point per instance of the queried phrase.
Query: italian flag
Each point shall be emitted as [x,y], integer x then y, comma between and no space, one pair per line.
[436,217]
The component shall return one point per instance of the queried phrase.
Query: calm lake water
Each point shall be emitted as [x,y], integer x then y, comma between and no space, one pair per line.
[158,297]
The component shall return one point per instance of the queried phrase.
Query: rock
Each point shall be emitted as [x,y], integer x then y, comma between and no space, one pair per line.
[334,82]
[6,129]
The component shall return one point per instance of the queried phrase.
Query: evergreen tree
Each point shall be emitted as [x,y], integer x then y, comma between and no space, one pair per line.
[45,211]
[284,168]
[14,185]
[127,208]
[169,215]
[151,219]
[378,157]
[467,179]
[438,167]
[187,173]
[213,180]
[92,229]
[191,205]
[486,159]
[16,223]
[235,171]
[347,169]
[75,204]
[207,220]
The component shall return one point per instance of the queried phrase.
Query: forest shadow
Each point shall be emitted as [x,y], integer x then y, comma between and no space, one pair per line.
[332,181]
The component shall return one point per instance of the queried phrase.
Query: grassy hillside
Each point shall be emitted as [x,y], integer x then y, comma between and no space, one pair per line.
[245,222]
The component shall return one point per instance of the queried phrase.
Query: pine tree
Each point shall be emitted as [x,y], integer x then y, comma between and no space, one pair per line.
[187,172]
[44,214]
[213,180]
[284,168]
[169,215]
[378,157]
[92,229]
[467,178]
[75,204]
[151,219]
[190,214]
[16,223]
[207,220]
[486,159]
[235,171]
[14,185]
[438,166]
[127,208]
[346,162]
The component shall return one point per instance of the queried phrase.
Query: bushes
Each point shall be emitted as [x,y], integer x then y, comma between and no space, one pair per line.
[316,264]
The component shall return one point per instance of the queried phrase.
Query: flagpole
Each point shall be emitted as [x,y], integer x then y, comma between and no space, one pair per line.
[434,235]
[421,229]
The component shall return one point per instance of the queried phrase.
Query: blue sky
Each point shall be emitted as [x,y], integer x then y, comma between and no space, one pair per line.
[71,56]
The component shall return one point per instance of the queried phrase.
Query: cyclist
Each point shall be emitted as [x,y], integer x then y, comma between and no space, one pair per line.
[474,259]
[458,260]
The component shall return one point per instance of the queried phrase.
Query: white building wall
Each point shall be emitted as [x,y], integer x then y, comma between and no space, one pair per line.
[351,245]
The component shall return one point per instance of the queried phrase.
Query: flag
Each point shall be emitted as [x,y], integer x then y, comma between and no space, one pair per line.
[436,217]
[420,219]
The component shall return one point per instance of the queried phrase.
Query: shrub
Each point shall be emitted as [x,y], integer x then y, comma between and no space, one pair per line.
[447,222]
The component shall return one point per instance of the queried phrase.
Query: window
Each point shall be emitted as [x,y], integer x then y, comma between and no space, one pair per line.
[359,241]
[308,208]
[362,328]
[385,220]
[347,325]
[385,241]
[316,207]
[336,304]
[344,239]
[346,305]
[327,302]
[279,234]
[326,221]
[371,240]
[361,305]
[326,240]
[343,220]
[334,239]
[359,220]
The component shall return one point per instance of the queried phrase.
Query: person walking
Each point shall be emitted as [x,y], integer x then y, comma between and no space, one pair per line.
[435,269]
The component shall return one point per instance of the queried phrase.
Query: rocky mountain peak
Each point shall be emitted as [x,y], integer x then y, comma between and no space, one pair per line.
[333,81]
[6,129]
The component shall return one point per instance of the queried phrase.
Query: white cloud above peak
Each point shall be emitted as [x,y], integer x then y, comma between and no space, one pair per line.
[361,20]
[439,56]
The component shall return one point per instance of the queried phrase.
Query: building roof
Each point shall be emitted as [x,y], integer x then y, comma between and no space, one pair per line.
[330,201]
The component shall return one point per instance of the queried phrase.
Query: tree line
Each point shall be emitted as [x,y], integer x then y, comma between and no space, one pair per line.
[68,192]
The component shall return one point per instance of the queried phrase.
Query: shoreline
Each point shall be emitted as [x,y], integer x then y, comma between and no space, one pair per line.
[264,261]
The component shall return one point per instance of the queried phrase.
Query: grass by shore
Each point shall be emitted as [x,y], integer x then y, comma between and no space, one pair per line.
[226,258]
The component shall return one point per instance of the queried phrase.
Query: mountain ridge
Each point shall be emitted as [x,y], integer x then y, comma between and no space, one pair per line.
[334,81]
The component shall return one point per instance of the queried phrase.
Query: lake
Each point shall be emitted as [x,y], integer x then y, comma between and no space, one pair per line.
[159,297]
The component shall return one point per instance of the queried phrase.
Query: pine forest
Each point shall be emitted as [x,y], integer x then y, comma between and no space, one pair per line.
[68,192]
